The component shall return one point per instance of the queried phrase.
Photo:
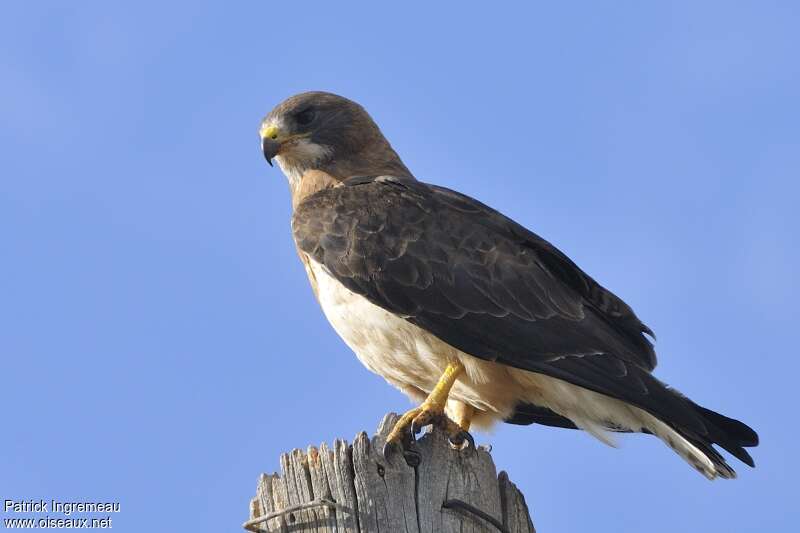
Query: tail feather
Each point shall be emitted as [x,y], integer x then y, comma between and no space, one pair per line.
[721,468]
[700,455]
[730,434]
[689,429]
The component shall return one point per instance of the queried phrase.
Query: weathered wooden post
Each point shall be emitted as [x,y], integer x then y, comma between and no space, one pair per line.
[354,489]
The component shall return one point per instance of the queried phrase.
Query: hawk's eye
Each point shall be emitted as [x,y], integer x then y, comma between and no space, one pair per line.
[305,117]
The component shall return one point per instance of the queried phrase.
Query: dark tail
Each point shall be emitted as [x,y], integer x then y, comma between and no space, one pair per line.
[729,434]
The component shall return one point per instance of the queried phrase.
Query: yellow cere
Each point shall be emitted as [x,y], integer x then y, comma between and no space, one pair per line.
[269,131]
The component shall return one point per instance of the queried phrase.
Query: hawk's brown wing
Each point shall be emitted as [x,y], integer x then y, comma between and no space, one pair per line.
[465,272]
[486,286]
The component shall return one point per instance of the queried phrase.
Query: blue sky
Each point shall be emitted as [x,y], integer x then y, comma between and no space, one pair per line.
[160,344]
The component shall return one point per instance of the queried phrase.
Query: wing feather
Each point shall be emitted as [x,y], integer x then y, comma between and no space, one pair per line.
[429,252]
[483,284]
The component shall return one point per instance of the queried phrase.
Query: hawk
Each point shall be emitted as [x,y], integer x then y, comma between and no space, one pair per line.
[470,314]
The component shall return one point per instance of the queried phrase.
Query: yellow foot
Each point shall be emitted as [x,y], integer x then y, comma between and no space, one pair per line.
[463,414]
[431,412]
[411,423]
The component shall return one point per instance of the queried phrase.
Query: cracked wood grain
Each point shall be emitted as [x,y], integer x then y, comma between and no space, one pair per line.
[353,489]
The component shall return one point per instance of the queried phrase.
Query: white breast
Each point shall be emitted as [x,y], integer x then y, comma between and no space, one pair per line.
[409,357]
[385,343]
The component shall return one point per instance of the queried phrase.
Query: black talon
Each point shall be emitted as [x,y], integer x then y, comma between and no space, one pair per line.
[387,447]
[458,439]
[409,439]
[471,440]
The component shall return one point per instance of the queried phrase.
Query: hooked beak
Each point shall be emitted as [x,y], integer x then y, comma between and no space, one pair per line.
[269,142]
[270,148]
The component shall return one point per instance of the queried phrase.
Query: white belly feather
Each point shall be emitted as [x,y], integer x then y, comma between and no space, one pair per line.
[408,356]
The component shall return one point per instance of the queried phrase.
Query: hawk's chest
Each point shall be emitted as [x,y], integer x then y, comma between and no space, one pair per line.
[385,343]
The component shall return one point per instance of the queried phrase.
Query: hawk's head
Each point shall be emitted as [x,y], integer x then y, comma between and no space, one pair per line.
[327,132]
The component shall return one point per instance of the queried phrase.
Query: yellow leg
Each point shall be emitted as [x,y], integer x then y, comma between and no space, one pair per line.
[462,414]
[432,409]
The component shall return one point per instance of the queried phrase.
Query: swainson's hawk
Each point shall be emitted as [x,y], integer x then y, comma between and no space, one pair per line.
[463,309]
